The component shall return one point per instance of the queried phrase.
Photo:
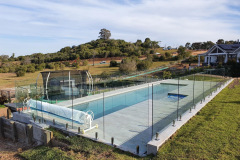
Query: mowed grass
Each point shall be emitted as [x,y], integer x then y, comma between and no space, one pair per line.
[160,63]
[77,148]
[214,133]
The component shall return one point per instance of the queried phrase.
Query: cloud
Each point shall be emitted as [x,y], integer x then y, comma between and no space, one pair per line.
[30,26]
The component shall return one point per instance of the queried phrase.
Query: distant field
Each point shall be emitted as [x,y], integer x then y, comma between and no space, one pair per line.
[7,80]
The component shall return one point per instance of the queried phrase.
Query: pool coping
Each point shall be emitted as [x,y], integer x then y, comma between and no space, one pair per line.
[168,131]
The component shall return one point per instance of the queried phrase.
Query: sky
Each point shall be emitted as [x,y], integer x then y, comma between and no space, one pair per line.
[46,26]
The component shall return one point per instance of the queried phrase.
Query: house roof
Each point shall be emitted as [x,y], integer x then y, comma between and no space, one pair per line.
[229,47]
[225,48]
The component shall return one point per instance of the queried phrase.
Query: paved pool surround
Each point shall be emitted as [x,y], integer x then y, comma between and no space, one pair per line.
[132,126]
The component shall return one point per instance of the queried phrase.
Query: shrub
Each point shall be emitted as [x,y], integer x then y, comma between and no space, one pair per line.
[12,69]
[104,75]
[85,63]
[155,58]
[62,66]
[167,74]
[5,69]
[168,55]
[128,65]
[144,65]
[31,69]
[113,63]
[66,63]
[50,66]
[40,67]
[20,71]
[3,100]
[56,66]
[162,58]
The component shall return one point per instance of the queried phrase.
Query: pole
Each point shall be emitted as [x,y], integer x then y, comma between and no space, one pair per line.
[148,105]
[178,99]
[210,84]
[203,87]
[193,90]
[152,110]
[72,106]
[103,118]
[41,102]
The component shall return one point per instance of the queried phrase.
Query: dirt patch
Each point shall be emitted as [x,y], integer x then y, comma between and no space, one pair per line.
[9,150]
[195,53]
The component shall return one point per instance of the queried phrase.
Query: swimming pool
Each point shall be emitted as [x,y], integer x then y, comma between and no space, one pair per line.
[117,102]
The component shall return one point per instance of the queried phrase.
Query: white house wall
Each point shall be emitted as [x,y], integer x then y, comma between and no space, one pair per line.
[238,56]
[213,59]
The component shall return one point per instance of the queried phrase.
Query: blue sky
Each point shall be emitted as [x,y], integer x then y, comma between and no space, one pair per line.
[32,26]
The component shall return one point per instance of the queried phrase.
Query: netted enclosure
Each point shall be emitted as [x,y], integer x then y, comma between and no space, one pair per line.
[64,85]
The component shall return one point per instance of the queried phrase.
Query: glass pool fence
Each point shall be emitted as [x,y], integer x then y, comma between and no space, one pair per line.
[127,116]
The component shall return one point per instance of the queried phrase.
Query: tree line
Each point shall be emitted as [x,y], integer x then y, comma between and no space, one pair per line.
[208,44]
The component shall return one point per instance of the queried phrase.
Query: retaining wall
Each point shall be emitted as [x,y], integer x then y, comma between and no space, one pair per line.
[25,133]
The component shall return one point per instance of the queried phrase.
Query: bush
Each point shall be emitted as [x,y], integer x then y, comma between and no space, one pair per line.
[5,69]
[66,63]
[113,63]
[85,63]
[31,69]
[167,74]
[104,75]
[3,100]
[12,69]
[50,66]
[144,65]
[128,65]
[40,67]
[62,66]
[155,58]
[20,71]
[168,55]
[56,66]
[162,58]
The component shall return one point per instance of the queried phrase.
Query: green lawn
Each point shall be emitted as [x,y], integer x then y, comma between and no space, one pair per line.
[78,148]
[214,133]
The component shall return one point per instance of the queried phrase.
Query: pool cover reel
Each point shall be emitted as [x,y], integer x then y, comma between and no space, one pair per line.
[75,115]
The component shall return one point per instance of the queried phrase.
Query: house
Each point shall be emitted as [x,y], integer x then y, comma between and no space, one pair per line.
[220,54]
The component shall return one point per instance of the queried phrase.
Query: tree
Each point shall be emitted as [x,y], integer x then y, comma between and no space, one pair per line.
[20,71]
[113,63]
[13,55]
[104,34]
[4,58]
[196,45]
[188,45]
[220,41]
[147,43]
[168,55]
[182,52]
[128,65]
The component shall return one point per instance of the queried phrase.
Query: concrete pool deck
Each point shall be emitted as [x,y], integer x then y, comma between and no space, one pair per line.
[132,126]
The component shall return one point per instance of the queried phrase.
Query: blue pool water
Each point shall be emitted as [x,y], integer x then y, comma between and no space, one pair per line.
[121,101]
[174,97]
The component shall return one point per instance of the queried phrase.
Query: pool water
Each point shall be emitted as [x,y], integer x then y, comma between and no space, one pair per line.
[117,102]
